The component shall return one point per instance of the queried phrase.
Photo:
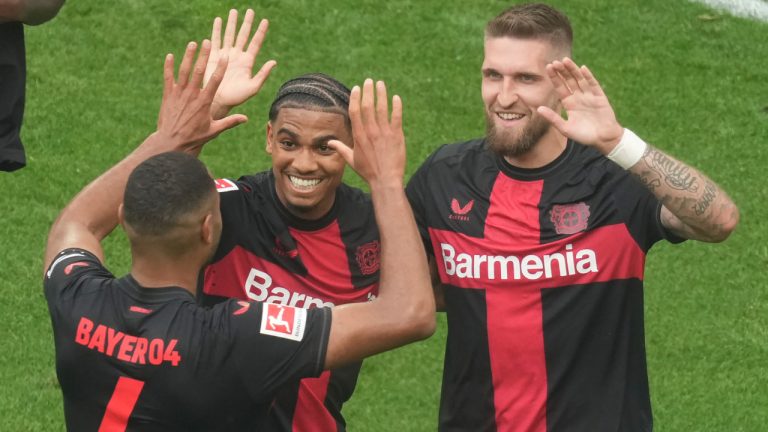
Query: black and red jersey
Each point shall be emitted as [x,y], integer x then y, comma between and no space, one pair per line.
[151,359]
[267,254]
[543,272]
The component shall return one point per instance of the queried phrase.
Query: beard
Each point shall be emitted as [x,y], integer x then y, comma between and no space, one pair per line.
[513,143]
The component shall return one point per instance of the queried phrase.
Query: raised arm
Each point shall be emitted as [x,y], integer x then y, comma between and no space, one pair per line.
[404,311]
[184,124]
[239,84]
[694,206]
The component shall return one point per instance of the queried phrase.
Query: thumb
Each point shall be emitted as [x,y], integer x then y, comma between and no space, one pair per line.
[344,150]
[228,122]
[552,117]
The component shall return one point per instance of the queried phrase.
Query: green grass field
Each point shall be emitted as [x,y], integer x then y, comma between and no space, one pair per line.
[690,80]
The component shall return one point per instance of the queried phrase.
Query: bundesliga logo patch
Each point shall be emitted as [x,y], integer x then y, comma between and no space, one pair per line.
[286,322]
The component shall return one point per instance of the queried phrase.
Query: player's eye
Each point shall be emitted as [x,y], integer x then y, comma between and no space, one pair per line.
[287,145]
[324,149]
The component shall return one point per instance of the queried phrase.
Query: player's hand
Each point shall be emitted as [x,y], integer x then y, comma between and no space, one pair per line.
[379,149]
[591,120]
[185,122]
[238,84]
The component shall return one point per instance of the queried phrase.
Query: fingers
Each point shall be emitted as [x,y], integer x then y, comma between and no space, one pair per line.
[245,30]
[344,150]
[557,121]
[219,126]
[592,83]
[397,114]
[216,34]
[229,31]
[382,104]
[215,79]
[202,61]
[258,80]
[167,75]
[186,63]
[258,38]
[355,117]
[367,107]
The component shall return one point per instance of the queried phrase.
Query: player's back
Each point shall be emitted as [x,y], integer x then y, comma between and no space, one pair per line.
[132,358]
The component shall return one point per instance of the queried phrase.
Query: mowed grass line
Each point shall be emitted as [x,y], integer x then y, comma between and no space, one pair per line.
[685,78]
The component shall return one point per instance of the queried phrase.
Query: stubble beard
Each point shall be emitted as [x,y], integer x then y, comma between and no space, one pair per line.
[508,143]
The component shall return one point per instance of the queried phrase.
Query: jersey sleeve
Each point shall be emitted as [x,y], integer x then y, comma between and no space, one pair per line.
[68,269]
[275,344]
[235,205]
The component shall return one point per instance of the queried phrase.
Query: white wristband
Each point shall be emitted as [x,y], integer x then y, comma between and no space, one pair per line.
[629,151]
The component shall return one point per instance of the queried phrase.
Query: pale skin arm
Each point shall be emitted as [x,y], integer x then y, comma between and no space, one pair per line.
[239,83]
[31,12]
[404,310]
[694,207]
[184,124]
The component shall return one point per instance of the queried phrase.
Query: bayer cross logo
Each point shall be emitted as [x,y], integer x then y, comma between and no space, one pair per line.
[569,218]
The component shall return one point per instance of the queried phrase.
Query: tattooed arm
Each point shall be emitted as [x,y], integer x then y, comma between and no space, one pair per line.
[694,206]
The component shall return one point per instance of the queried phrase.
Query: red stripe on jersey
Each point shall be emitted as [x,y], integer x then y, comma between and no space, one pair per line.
[512,265]
[310,413]
[121,405]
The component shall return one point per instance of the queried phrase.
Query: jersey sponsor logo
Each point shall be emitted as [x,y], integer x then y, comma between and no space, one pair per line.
[258,286]
[569,218]
[131,349]
[568,262]
[368,257]
[68,269]
[244,306]
[283,321]
[225,185]
[60,259]
[460,212]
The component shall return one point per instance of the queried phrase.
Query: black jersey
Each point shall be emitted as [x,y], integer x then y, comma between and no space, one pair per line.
[543,272]
[151,359]
[267,254]
[12,82]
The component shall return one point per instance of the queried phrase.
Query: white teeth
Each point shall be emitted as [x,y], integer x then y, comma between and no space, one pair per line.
[509,116]
[304,183]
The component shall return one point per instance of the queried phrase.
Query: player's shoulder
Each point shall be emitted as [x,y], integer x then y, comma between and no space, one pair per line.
[449,156]
[72,268]
[252,183]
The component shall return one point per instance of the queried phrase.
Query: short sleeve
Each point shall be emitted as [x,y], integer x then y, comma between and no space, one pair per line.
[276,344]
[68,269]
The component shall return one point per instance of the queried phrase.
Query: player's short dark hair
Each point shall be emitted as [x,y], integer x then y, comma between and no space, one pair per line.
[315,92]
[163,189]
[533,21]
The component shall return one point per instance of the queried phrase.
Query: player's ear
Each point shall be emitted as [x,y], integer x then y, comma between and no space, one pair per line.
[269,137]
[207,229]
[120,214]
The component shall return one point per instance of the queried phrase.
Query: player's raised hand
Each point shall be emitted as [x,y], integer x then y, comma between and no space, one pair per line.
[239,84]
[185,122]
[591,120]
[379,149]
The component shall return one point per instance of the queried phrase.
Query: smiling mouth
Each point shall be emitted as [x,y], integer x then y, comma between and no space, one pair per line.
[301,183]
[509,116]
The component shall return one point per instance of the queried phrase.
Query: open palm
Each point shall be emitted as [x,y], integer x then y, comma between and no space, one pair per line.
[238,84]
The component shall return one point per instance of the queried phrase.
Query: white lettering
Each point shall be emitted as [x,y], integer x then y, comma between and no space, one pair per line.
[258,286]
[532,267]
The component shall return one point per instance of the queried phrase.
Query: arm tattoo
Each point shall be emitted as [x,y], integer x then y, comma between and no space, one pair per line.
[710,193]
[676,175]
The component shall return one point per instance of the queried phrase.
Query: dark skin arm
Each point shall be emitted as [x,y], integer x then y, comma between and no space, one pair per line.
[184,124]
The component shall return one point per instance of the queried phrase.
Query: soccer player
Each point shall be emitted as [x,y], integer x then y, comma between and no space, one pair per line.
[14,14]
[138,353]
[295,234]
[539,233]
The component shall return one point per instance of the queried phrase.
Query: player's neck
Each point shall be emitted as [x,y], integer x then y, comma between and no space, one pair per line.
[160,272]
[547,149]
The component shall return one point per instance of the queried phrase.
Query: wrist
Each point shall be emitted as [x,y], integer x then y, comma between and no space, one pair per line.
[628,151]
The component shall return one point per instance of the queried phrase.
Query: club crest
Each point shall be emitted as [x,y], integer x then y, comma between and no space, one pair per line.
[569,218]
